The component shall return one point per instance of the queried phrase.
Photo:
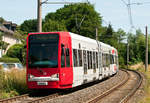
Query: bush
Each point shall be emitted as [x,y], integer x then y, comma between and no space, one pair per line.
[15,51]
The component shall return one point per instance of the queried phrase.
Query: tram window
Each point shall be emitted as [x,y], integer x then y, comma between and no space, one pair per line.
[96,60]
[88,58]
[108,59]
[75,57]
[91,60]
[84,62]
[116,59]
[104,59]
[80,57]
[67,57]
[84,57]
[111,59]
[62,57]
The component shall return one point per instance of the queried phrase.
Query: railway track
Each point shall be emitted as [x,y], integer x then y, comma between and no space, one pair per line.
[28,99]
[13,99]
[125,99]
[133,91]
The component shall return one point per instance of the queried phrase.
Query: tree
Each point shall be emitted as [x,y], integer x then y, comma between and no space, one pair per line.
[20,35]
[109,36]
[29,26]
[80,18]
[121,35]
[137,47]
[52,25]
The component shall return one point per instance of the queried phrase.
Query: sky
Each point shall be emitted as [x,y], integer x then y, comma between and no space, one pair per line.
[114,12]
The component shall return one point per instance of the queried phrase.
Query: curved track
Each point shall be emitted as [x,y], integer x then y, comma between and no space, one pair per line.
[127,96]
[133,91]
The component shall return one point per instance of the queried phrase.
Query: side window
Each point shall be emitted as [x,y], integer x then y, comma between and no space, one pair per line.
[67,57]
[75,57]
[107,60]
[113,59]
[62,57]
[116,60]
[85,62]
[104,60]
[84,58]
[88,58]
[91,61]
[80,57]
[96,60]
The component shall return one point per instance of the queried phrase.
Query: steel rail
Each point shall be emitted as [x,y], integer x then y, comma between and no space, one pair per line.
[13,99]
[25,96]
[127,97]
[97,98]
[43,99]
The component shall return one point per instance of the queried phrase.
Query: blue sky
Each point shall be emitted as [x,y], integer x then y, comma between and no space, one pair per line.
[112,11]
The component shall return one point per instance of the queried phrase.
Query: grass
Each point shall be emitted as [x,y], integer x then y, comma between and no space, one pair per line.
[12,83]
[140,67]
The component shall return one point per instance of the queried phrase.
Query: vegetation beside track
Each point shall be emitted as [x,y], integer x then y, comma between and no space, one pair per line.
[12,83]
[140,67]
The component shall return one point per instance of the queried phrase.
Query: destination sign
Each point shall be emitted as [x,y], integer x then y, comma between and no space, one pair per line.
[43,37]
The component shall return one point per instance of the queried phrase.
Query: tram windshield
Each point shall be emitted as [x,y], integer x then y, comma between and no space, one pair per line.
[43,50]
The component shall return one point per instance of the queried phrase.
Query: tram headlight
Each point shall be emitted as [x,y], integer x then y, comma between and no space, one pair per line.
[30,76]
[55,76]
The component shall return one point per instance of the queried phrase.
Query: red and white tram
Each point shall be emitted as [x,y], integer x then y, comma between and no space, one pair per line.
[66,60]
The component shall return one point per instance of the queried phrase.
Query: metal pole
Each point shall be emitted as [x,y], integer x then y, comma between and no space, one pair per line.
[39,16]
[146,51]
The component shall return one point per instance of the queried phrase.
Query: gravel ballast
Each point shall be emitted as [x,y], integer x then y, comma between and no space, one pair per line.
[87,94]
